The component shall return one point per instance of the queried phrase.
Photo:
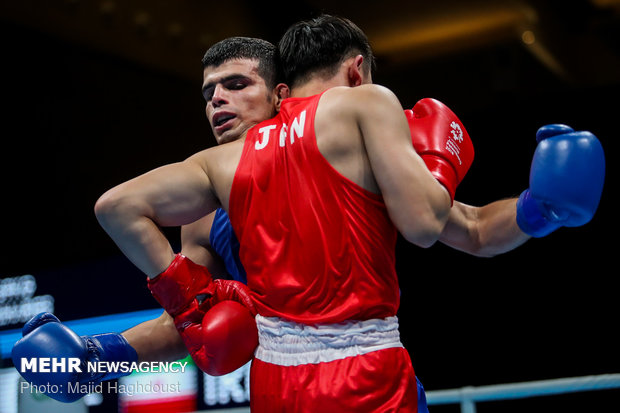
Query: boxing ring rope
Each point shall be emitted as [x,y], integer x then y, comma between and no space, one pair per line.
[468,396]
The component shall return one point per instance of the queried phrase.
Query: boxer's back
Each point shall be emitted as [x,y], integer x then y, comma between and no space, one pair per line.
[317,247]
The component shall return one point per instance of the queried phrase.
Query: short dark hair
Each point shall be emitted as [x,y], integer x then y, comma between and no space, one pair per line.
[246,48]
[320,45]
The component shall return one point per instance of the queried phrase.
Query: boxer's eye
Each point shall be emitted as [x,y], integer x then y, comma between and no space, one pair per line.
[235,85]
[208,94]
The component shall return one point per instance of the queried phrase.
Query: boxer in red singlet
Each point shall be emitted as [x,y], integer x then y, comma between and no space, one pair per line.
[317,239]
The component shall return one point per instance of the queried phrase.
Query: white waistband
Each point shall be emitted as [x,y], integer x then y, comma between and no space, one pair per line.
[287,343]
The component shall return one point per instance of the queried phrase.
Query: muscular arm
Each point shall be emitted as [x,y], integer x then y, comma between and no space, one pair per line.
[418,205]
[483,231]
[172,195]
[158,339]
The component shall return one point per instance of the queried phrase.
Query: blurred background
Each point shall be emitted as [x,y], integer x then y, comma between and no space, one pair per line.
[97,92]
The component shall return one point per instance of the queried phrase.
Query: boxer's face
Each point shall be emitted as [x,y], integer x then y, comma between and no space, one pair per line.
[237,98]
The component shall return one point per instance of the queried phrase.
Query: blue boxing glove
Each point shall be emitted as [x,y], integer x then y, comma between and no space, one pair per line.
[53,358]
[566,181]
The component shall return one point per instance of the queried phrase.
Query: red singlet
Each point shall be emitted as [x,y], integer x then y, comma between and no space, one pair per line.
[317,248]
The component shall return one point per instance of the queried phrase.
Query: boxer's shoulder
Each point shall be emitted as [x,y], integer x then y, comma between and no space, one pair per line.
[342,104]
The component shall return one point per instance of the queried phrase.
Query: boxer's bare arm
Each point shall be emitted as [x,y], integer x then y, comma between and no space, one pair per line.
[483,231]
[156,340]
[173,195]
[418,205]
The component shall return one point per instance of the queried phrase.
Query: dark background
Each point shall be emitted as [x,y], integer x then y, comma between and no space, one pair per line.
[94,93]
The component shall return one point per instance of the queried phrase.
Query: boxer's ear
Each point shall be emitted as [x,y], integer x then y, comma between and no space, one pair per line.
[355,71]
[281,92]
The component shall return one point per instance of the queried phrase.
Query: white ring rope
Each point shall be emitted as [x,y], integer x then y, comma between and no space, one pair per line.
[523,390]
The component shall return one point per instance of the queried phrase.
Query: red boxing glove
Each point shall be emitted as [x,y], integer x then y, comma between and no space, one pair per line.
[219,332]
[176,288]
[441,140]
